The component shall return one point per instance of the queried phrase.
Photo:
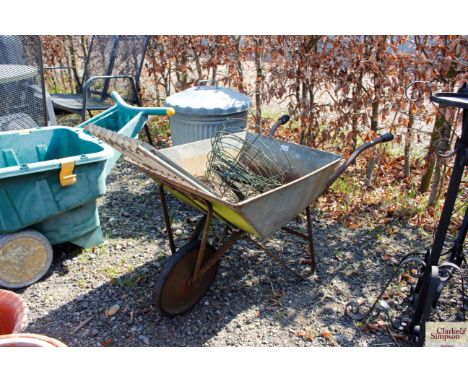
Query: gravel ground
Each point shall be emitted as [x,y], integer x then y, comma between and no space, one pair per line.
[102,296]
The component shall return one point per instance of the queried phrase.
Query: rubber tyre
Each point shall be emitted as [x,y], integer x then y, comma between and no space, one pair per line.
[25,257]
[172,295]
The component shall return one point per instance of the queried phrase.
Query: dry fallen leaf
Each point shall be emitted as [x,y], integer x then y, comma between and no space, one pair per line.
[407,277]
[427,227]
[394,229]
[307,334]
[372,328]
[106,342]
[352,225]
[389,258]
[398,336]
[361,301]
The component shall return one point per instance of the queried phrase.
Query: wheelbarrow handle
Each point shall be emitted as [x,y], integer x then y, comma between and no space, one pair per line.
[387,137]
[169,111]
[281,121]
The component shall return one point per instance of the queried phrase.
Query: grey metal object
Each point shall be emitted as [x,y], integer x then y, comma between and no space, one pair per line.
[22,90]
[51,119]
[112,63]
[188,274]
[312,169]
[202,111]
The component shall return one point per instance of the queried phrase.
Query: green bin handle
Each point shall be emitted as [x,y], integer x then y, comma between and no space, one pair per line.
[146,110]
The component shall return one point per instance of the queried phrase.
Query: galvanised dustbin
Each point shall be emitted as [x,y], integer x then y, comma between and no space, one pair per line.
[202,111]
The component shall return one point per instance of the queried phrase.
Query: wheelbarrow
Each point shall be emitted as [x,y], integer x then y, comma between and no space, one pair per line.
[49,180]
[189,272]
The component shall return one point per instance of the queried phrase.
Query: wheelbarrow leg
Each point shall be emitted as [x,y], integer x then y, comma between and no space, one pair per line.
[201,252]
[309,238]
[167,221]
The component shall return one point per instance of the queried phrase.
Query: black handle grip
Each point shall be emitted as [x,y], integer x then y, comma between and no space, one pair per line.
[281,121]
[387,137]
[284,119]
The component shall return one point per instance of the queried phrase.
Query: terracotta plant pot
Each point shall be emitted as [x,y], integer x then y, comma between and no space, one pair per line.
[13,313]
[29,340]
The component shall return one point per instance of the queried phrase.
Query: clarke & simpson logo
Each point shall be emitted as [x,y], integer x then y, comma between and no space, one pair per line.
[447,334]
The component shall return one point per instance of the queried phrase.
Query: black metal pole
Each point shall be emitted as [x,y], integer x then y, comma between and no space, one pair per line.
[422,306]
[452,191]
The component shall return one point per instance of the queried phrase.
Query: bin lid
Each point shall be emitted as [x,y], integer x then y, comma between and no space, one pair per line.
[208,100]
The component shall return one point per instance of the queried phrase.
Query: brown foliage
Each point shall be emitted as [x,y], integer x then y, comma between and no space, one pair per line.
[339,90]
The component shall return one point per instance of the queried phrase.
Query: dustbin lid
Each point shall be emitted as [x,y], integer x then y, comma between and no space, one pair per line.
[208,100]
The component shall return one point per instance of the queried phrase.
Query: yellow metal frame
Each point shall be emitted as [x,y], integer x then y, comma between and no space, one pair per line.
[221,211]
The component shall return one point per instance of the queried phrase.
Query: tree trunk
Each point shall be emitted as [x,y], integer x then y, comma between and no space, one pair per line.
[435,182]
[84,50]
[312,139]
[306,131]
[214,72]
[408,139]
[441,146]
[68,81]
[430,160]
[167,82]
[184,77]
[309,44]
[355,118]
[443,178]
[375,114]
[239,69]
[196,58]
[72,73]
[373,158]
[84,47]
[258,83]
[299,105]
[439,124]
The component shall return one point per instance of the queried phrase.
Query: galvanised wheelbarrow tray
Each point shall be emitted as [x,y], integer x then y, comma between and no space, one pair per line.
[49,180]
[190,271]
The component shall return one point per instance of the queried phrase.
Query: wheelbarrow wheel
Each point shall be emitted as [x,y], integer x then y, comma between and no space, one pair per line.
[25,257]
[173,293]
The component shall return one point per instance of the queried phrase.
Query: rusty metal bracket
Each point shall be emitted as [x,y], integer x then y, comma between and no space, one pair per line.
[309,237]
[167,220]
[201,251]
[236,235]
